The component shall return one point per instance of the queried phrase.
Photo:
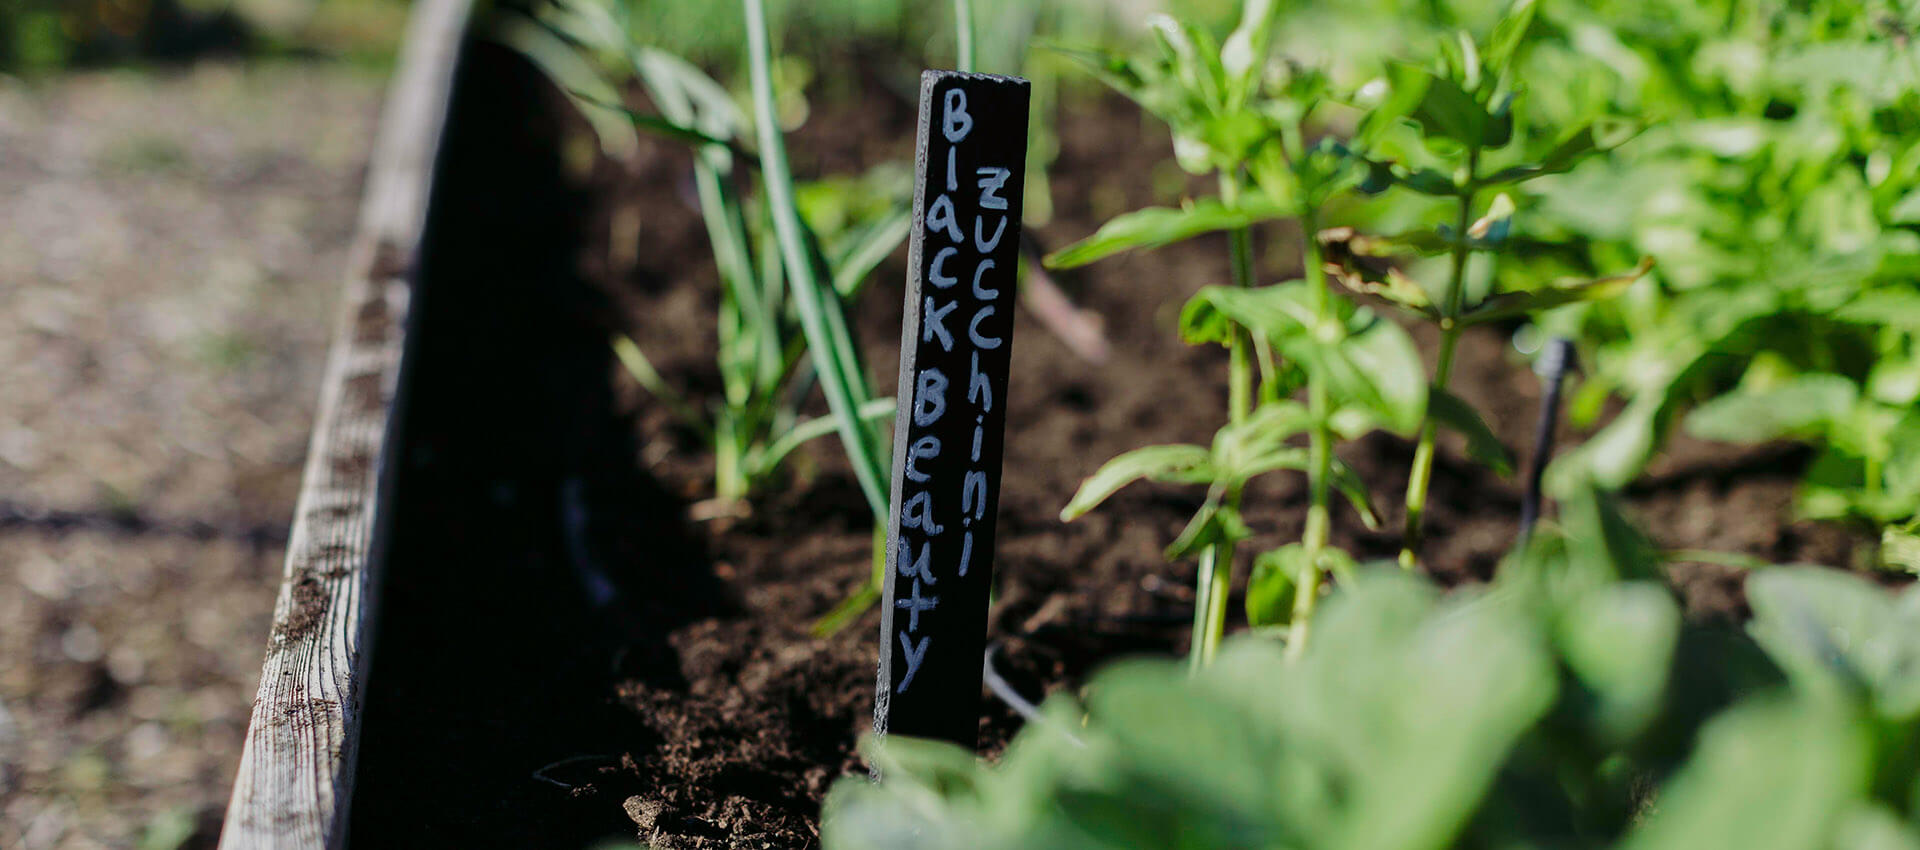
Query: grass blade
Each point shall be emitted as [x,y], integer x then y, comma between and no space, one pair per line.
[827,340]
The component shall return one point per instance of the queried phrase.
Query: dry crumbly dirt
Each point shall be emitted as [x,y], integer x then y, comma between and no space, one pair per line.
[171,246]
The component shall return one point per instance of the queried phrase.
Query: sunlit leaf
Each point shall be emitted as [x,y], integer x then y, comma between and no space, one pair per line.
[1214,524]
[1794,761]
[1584,143]
[571,72]
[1619,639]
[1509,305]
[1156,226]
[1801,403]
[1169,463]
[1839,635]
[1454,414]
[1271,586]
[1508,34]
[1445,109]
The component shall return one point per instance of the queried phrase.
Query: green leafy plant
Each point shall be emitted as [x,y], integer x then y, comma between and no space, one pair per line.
[1448,133]
[1232,118]
[1430,140]
[784,289]
[1774,184]
[1778,189]
[1567,705]
[1869,465]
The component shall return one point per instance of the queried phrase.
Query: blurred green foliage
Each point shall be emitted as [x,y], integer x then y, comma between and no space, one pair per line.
[1777,187]
[1566,705]
[38,36]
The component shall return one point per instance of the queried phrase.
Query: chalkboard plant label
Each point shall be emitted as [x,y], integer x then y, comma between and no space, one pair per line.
[956,341]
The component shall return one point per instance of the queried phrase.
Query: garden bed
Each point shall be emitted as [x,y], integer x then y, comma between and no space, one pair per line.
[564,655]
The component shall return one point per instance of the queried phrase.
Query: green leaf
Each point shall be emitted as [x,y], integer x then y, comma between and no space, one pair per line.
[1379,367]
[1367,361]
[877,410]
[1900,547]
[1271,585]
[1619,639]
[1276,573]
[1427,181]
[1840,636]
[1279,312]
[1872,826]
[1604,547]
[687,95]
[1453,413]
[1445,110]
[636,363]
[830,345]
[1588,141]
[1888,306]
[663,127]
[1354,488]
[935,766]
[1213,524]
[1156,226]
[1508,34]
[1799,405]
[1614,456]
[1244,53]
[1194,57]
[1509,305]
[1401,94]
[870,247]
[1797,763]
[1489,232]
[1420,716]
[1184,464]
[1258,444]
[1499,129]
[572,73]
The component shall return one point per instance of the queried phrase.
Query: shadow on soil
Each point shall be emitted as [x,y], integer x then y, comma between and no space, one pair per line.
[505,608]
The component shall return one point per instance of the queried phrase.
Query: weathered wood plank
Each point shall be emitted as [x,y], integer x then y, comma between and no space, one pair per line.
[296,771]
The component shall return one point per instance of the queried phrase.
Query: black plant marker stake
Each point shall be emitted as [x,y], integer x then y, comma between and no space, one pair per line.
[949,434]
[1552,368]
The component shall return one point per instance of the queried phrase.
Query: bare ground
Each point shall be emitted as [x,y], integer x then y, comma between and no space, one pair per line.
[170,251]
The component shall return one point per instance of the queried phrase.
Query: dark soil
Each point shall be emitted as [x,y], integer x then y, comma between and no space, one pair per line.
[564,654]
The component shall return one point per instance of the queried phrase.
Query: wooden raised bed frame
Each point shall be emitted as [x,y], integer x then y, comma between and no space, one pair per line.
[296,771]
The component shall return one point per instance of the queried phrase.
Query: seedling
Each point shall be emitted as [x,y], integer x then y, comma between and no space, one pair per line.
[784,289]
[1447,132]
[1232,118]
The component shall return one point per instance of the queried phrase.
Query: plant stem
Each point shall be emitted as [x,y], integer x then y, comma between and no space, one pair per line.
[1319,459]
[1212,585]
[1422,473]
[1214,581]
[1240,245]
[835,360]
[963,29]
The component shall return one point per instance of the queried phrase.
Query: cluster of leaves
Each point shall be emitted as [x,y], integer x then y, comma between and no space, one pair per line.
[1425,139]
[1232,119]
[791,258]
[1778,187]
[1568,704]
[1780,193]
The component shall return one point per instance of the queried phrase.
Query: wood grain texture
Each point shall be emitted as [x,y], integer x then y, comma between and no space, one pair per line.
[296,771]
